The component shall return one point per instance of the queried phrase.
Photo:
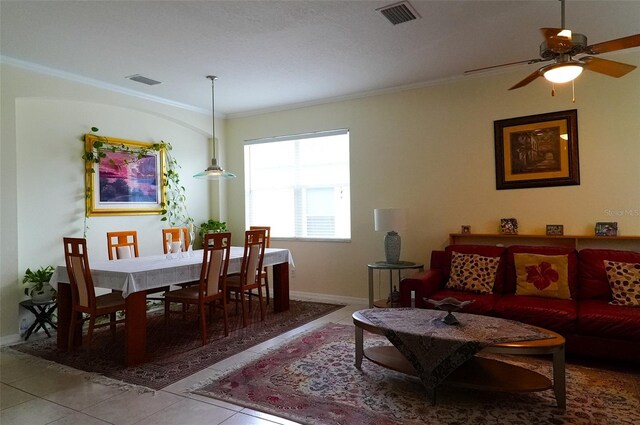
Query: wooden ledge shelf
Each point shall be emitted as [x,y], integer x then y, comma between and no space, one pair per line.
[575,241]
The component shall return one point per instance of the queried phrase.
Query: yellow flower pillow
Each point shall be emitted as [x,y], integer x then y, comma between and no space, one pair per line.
[624,280]
[473,272]
[542,275]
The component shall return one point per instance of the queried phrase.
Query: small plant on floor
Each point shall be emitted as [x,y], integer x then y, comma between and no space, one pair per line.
[37,284]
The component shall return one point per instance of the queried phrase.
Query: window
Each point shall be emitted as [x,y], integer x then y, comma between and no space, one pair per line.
[299,185]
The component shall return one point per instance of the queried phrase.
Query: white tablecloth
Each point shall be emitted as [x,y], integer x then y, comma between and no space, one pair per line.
[140,274]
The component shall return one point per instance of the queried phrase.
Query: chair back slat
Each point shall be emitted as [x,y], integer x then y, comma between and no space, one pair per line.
[122,244]
[175,237]
[215,263]
[254,245]
[77,262]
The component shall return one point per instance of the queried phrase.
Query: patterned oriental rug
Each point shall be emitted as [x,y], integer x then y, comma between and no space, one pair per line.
[176,350]
[313,380]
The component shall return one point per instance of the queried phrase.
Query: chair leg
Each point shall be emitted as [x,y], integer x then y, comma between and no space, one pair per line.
[112,321]
[262,307]
[72,329]
[244,309]
[203,323]
[225,313]
[167,311]
[92,324]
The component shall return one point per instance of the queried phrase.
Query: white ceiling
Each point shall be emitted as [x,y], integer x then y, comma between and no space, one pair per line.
[272,54]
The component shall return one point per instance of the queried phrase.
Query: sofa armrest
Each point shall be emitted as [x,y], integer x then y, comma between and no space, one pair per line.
[424,284]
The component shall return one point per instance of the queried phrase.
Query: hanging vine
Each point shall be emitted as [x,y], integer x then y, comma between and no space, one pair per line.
[174,210]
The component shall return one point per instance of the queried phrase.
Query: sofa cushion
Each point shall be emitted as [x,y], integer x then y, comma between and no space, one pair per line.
[472,272]
[553,314]
[482,303]
[542,275]
[593,282]
[624,279]
[572,264]
[482,250]
[599,318]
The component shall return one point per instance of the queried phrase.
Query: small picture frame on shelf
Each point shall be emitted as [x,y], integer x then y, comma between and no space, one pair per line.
[508,226]
[465,229]
[555,230]
[607,228]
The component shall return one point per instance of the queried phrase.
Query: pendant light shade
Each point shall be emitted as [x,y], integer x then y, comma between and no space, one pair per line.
[214,171]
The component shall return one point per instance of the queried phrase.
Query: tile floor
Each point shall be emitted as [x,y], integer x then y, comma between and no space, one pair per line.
[32,393]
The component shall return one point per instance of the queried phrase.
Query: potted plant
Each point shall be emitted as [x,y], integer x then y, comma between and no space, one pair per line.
[212,226]
[38,287]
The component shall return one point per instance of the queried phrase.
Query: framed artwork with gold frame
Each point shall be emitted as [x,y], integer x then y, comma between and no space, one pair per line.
[124,183]
[537,151]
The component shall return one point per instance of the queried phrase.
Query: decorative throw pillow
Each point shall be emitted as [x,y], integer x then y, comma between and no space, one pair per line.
[624,280]
[542,275]
[473,272]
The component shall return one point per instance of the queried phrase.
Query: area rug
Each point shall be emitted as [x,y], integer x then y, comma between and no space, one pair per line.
[175,349]
[313,380]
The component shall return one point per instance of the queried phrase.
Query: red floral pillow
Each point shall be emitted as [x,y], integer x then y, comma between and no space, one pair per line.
[624,280]
[542,275]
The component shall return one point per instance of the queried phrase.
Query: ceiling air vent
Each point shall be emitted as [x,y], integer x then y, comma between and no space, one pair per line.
[398,13]
[144,80]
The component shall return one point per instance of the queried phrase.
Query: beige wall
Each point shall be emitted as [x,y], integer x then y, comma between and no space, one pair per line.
[428,149]
[43,119]
[432,150]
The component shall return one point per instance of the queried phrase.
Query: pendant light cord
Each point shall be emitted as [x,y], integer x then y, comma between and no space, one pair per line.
[213,114]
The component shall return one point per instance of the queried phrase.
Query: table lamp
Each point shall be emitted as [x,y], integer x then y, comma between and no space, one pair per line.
[390,220]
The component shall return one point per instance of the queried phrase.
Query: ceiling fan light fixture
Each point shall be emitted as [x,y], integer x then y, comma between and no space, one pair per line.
[562,73]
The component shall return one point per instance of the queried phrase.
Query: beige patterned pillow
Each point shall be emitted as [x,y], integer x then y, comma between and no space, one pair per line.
[624,280]
[473,272]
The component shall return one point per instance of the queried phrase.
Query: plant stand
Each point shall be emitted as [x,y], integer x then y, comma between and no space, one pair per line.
[42,312]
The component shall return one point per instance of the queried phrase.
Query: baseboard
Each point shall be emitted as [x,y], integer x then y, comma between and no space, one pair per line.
[10,340]
[334,299]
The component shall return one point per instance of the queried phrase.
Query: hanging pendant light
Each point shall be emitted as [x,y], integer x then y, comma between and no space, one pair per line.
[214,171]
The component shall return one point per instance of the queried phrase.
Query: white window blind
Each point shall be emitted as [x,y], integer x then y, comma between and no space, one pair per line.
[299,185]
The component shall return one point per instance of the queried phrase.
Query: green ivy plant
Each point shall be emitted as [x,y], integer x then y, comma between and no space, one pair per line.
[174,210]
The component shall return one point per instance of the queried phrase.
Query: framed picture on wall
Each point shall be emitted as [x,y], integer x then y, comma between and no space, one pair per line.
[124,181]
[537,151]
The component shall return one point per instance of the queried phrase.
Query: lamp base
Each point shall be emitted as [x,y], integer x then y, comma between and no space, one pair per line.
[392,247]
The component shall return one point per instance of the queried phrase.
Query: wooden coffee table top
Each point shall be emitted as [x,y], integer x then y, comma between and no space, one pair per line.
[537,346]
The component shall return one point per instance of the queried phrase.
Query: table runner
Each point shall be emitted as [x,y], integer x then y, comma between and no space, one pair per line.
[436,349]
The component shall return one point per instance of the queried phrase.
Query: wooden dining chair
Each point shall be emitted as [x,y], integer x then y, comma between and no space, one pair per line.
[122,244]
[249,277]
[264,275]
[175,236]
[85,305]
[212,286]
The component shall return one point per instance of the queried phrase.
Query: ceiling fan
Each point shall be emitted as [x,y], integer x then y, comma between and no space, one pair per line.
[561,46]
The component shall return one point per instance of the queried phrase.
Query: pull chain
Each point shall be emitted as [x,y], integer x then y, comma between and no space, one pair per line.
[573,88]
[553,89]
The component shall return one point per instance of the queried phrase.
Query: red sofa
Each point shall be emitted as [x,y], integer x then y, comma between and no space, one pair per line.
[591,326]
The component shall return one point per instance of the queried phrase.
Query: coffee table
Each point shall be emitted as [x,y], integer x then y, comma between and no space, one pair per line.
[479,373]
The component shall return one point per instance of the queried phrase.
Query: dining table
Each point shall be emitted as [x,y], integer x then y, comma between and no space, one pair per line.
[135,277]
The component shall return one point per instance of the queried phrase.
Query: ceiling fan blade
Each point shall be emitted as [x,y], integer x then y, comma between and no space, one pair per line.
[558,40]
[527,80]
[613,45]
[530,61]
[607,67]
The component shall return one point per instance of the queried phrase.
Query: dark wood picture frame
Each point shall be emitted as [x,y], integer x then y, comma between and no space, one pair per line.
[537,150]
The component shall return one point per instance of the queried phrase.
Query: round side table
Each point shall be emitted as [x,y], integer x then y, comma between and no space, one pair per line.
[383,265]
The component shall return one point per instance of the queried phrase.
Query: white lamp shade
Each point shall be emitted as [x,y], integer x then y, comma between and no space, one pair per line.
[386,219]
[562,73]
